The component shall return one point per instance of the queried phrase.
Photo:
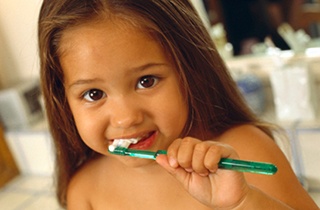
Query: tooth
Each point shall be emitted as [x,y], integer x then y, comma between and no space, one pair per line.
[123,143]
[114,145]
[134,141]
[112,148]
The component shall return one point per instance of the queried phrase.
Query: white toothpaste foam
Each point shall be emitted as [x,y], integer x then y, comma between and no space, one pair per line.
[122,143]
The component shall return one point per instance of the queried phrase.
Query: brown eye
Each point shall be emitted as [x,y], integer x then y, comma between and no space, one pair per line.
[94,95]
[147,82]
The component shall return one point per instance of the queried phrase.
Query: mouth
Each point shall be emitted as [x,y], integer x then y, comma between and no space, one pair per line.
[142,142]
[145,142]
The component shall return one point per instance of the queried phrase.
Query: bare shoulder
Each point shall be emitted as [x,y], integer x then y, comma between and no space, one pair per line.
[81,184]
[251,143]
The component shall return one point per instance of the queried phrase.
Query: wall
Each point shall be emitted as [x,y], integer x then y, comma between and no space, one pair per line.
[18,41]
[33,151]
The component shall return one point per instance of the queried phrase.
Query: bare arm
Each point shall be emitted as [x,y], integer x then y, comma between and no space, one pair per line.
[252,144]
[194,164]
[76,199]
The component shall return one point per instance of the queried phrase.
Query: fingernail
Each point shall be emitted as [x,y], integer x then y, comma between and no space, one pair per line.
[190,170]
[173,162]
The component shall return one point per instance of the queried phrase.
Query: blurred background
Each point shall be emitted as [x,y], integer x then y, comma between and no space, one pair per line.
[271,47]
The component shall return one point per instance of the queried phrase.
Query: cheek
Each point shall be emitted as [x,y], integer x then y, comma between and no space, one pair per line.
[91,135]
[180,116]
[81,126]
[87,126]
[173,113]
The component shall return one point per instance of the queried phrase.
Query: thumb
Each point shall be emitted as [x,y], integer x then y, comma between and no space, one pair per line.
[164,162]
[172,167]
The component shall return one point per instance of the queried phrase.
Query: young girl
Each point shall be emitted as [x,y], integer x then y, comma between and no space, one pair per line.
[147,69]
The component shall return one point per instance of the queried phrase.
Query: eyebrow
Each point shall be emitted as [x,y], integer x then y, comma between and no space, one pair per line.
[84,82]
[135,69]
[147,66]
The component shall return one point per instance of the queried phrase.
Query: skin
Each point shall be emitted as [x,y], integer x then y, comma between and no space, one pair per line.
[104,66]
[126,108]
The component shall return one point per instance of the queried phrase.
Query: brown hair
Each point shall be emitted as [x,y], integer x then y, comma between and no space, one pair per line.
[214,101]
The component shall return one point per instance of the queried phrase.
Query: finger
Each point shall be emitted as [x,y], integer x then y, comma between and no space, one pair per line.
[163,160]
[172,153]
[212,158]
[185,153]
[198,158]
[179,173]
[215,153]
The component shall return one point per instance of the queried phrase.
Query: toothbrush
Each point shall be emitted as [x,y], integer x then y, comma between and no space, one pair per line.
[225,163]
[123,143]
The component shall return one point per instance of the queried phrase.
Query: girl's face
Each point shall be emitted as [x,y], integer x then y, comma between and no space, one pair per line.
[120,84]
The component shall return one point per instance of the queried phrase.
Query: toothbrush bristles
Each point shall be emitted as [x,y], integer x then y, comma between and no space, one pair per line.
[124,143]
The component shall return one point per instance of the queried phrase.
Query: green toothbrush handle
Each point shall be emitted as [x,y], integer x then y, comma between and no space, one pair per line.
[241,165]
[225,163]
[248,166]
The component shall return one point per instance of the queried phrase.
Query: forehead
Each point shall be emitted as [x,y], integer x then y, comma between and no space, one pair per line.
[92,36]
[100,27]
[125,21]
[108,44]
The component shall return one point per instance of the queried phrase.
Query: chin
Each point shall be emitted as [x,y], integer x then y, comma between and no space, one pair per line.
[133,162]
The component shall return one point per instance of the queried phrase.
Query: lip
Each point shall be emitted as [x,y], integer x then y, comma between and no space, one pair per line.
[145,143]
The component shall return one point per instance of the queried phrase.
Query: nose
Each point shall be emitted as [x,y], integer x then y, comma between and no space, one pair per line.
[125,113]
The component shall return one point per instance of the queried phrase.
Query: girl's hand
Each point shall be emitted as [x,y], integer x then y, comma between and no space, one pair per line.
[194,163]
